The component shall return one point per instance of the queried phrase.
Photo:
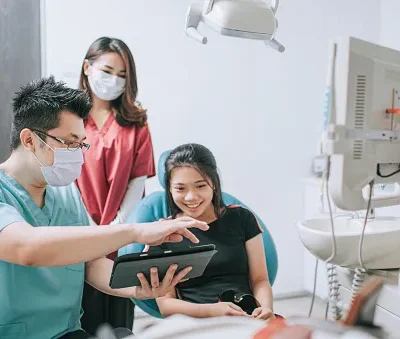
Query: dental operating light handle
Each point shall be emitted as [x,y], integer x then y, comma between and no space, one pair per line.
[275,45]
[194,34]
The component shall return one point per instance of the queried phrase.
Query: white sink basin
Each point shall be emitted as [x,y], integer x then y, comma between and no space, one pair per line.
[381,245]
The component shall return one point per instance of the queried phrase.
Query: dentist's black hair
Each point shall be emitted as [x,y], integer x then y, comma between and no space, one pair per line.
[38,105]
[203,161]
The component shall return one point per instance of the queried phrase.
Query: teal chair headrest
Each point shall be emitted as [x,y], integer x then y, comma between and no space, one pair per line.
[161,167]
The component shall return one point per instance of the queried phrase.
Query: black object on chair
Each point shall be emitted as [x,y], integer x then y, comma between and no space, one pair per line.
[245,301]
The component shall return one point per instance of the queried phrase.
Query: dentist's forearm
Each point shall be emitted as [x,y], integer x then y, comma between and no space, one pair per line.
[98,273]
[61,246]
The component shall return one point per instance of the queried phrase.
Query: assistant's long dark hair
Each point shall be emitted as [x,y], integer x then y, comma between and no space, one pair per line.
[129,111]
[203,161]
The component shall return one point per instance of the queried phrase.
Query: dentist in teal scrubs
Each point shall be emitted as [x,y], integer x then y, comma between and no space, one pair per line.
[47,249]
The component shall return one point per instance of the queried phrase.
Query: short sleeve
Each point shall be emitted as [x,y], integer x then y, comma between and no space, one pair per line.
[143,159]
[251,226]
[8,214]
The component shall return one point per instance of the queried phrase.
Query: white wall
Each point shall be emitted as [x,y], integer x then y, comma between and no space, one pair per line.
[390,24]
[259,111]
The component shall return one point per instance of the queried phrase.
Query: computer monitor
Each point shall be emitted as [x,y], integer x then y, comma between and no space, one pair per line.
[362,135]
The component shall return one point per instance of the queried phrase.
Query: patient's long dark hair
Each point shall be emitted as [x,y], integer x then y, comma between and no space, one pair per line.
[203,161]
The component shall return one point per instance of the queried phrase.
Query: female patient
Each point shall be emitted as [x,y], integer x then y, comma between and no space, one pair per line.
[194,189]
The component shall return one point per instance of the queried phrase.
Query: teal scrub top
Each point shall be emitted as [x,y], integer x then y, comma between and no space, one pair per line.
[40,302]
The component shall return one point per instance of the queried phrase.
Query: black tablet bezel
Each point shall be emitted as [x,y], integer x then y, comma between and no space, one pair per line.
[144,257]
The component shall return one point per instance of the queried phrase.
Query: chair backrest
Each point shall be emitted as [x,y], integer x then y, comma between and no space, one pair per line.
[154,207]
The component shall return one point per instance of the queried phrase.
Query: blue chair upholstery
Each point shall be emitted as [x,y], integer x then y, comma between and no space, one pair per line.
[154,207]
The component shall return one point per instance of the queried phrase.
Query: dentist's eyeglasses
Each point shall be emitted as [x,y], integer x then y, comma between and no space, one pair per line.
[71,145]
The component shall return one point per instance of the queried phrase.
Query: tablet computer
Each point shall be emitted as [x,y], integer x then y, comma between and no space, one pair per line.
[126,267]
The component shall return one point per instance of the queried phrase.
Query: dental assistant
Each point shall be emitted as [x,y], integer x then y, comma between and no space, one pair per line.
[121,157]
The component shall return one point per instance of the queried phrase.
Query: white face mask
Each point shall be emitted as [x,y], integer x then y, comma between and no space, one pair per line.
[106,86]
[66,168]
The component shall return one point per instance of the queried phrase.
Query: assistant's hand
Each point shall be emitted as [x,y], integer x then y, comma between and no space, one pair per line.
[156,289]
[173,230]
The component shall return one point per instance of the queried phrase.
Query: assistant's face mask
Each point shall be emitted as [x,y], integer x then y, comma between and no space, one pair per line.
[105,86]
[66,168]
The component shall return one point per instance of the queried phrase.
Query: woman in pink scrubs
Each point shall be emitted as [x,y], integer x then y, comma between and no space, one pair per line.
[119,161]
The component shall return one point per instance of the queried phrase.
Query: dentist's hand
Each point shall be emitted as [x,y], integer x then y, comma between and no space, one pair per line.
[171,230]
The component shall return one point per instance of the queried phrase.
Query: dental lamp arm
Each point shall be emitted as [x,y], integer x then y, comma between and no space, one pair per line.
[193,18]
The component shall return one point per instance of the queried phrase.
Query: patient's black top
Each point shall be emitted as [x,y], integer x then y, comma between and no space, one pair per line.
[228,268]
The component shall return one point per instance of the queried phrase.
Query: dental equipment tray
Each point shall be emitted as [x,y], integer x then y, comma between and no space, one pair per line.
[126,267]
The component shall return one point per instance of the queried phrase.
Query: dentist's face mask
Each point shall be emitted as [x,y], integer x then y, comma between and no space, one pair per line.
[105,86]
[66,168]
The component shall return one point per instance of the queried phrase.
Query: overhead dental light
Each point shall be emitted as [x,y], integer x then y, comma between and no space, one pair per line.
[242,19]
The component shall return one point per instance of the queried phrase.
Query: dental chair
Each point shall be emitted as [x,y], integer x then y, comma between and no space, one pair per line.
[154,207]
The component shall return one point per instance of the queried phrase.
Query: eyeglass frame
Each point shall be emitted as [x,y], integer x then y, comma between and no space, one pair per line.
[82,145]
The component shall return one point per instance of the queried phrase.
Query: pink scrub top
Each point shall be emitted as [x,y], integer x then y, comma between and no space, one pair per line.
[117,154]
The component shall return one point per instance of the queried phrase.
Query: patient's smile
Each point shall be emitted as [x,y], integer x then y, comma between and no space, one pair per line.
[193,206]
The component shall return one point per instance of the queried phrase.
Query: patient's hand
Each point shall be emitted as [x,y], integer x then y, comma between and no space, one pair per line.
[263,313]
[156,288]
[225,309]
